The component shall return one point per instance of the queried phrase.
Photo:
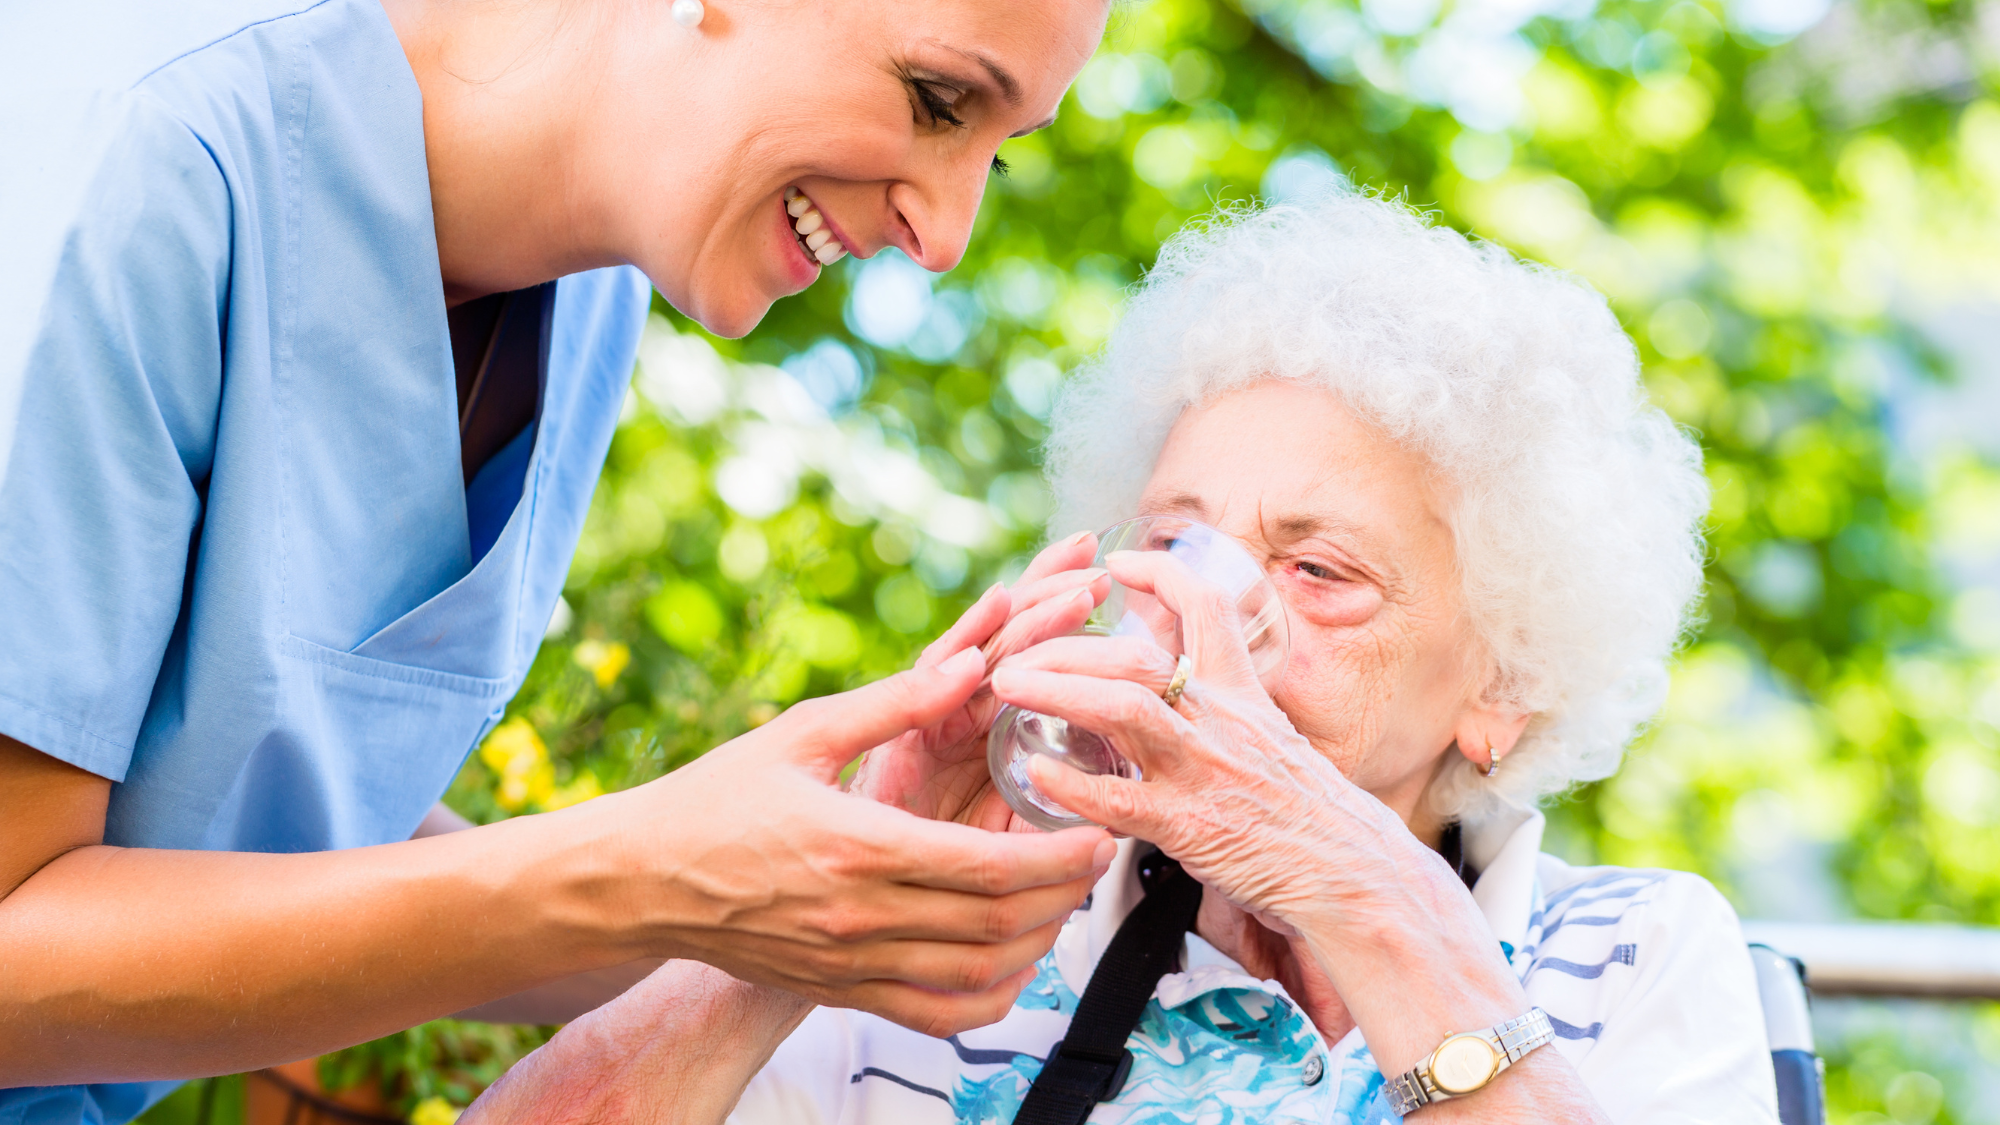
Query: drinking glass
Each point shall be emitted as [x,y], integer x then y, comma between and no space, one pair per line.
[1214,557]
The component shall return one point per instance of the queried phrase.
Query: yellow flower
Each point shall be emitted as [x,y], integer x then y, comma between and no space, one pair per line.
[515,752]
[581,788]
[603,661]
[434,1111]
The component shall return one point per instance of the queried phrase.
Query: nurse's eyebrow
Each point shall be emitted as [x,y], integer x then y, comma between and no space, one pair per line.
[1010,89]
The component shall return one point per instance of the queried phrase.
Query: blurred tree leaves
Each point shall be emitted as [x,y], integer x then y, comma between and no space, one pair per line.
[799,511]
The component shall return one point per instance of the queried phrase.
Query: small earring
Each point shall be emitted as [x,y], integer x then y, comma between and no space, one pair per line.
[688,13]
[1492,760]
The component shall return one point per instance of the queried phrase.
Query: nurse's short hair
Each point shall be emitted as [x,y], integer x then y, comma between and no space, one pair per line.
[1575,505]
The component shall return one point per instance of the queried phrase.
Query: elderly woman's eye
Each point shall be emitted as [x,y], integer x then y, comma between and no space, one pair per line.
[1316,570]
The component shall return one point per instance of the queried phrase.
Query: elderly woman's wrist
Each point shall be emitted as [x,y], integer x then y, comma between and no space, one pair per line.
[1409,909]
[1414,960]
[1399,877]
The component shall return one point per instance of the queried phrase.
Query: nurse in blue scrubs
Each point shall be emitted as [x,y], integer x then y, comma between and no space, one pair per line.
[317,317]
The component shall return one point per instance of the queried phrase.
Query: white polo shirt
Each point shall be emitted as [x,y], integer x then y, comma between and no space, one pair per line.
[1644,975]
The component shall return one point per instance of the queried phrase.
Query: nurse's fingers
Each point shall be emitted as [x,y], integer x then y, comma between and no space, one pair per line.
[957,857]
[825,734]
[972,628]
[948,966]
[1027,595]
[933,1013]
[1054,617]
[1073,553]
[1005,621]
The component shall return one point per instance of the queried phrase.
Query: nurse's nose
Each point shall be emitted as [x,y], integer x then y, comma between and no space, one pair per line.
[935,214]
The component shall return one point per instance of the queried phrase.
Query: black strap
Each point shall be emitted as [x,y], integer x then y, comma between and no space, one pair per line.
[1091,1062]
[1452,847]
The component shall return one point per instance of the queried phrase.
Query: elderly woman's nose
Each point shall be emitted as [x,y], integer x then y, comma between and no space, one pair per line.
[936,214]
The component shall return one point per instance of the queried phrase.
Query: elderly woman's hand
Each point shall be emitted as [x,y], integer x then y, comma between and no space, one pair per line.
[1382,929]
[940,772]
[1229,787]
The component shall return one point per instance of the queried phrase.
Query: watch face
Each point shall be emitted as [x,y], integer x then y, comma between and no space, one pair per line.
[1463,1064]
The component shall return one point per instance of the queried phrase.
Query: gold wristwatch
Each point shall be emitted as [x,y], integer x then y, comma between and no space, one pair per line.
[1467,1061]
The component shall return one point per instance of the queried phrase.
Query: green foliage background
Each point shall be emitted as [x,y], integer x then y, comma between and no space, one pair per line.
[1769,227]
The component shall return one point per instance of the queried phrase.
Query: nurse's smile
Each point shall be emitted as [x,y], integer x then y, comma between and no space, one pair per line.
[686,152]
[816,233]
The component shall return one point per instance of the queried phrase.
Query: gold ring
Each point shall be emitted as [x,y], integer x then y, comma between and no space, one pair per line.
[1178,685]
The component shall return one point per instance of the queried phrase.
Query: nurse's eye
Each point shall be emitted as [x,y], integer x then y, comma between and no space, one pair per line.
[937,103]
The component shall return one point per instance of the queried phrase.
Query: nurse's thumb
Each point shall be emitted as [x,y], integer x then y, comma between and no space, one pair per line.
[829,732]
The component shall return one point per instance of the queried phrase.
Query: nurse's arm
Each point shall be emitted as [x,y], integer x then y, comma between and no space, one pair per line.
[558,1001]
[122,964]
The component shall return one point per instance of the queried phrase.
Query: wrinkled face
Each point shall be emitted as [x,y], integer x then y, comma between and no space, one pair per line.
[1347,526]
[873,123]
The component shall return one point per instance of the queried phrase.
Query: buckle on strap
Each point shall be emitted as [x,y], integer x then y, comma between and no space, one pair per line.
[1086,1078]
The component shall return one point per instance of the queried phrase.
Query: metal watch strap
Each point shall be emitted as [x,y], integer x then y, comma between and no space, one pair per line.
[1413,1089]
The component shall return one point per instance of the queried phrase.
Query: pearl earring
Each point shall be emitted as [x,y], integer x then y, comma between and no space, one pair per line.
[688,13]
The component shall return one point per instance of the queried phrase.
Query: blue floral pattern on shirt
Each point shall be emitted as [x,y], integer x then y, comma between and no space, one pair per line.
[1228,1056]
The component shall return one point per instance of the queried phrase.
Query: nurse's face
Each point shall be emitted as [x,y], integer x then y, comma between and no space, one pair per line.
[876,120]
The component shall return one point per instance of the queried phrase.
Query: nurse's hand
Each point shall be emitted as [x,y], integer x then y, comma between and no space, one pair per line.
[939,771]
[753,860]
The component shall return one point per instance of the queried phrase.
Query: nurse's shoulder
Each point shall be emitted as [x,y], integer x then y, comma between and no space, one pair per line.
[97,47]
[101,108]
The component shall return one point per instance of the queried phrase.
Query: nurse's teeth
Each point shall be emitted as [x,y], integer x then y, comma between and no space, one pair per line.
[811,228]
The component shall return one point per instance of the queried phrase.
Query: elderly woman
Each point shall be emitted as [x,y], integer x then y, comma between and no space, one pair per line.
[1487,545]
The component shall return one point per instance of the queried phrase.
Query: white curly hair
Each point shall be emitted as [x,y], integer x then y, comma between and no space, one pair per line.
[1575,505]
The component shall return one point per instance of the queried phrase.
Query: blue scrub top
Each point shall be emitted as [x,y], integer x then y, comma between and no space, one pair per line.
[236,572]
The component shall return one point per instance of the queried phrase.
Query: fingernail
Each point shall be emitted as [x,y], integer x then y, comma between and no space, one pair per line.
[993,589]
[1094,573]
[964,662]
[1079,537]
[1107,850]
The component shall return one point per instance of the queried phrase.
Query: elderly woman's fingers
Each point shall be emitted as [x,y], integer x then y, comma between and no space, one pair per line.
[1110,658]
[1129,808]
[1211,623]
[1139,724]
